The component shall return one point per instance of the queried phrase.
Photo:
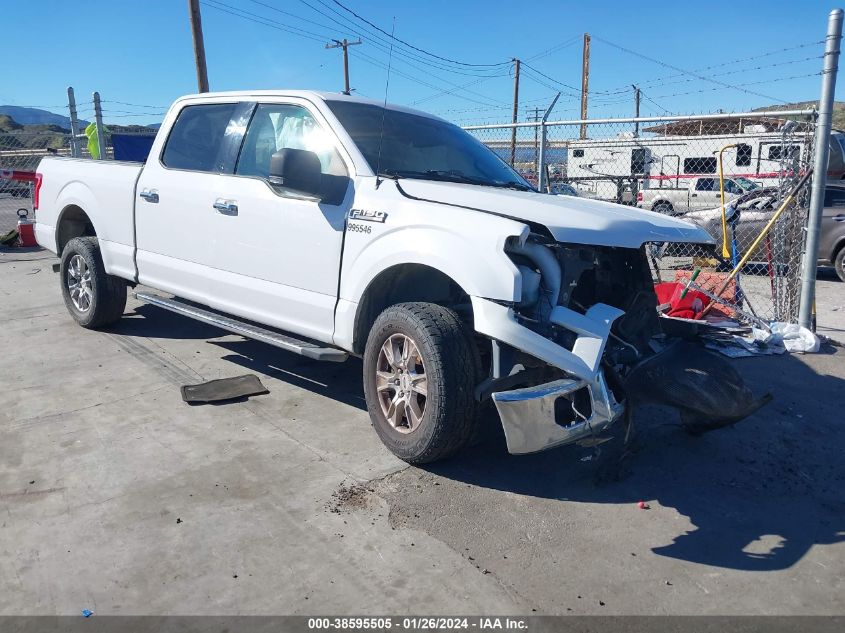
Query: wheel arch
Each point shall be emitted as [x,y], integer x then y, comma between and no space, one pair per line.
[73,222]
[402,283]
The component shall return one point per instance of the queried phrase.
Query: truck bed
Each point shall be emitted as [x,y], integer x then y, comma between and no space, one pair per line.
[105,190]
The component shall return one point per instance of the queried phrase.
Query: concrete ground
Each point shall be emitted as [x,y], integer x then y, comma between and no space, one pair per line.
[117,497]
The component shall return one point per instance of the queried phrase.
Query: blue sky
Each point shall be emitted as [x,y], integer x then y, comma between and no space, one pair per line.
[140,53]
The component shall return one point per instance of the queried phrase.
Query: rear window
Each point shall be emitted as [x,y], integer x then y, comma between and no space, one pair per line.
[197,136]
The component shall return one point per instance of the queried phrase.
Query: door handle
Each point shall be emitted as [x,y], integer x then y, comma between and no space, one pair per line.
[226,207]
[839,218]
[693,195]
[150,195]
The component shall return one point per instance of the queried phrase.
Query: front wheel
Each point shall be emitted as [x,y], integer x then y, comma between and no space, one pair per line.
[421,367]
[93,297]
[839,263]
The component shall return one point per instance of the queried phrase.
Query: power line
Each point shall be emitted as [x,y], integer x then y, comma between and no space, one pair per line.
[136,105]
[558,47]
[686,72]
[252,17]
[416,48]
[375,62]
[246,15]
[662,80]
[738,86]
[552,79]
[385,45]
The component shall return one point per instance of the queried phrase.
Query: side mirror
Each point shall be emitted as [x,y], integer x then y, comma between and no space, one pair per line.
[297,170]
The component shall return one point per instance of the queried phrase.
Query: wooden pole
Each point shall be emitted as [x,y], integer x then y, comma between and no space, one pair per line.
[199,46]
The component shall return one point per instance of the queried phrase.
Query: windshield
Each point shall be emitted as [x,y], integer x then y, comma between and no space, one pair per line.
[415,146]
[746,184]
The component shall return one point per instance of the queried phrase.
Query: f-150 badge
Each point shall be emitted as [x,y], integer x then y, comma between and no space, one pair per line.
[367,216]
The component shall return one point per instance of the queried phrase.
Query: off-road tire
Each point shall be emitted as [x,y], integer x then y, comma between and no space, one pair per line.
[839,263]
[108,293]
[452,368]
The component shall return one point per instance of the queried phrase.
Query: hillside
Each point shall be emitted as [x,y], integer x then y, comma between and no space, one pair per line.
[37,136]
[36,116]
[838,110]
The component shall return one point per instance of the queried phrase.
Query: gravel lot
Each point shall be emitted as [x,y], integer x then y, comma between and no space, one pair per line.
[117,497]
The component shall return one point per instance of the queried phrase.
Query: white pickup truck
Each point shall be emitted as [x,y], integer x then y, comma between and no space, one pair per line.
[331,226]
[703,192]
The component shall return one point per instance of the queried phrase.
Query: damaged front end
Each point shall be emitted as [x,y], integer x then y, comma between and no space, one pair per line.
[584,342]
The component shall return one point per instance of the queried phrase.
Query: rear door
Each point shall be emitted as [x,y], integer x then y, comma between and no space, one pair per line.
[277,254]
[833,222]
[175,196]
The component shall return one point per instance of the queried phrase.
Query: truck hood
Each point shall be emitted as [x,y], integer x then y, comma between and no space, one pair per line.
[569,219]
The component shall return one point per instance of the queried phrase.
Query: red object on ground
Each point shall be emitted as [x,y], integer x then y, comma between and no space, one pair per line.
[642,505]
[690,307]
[26,231]
[711,281]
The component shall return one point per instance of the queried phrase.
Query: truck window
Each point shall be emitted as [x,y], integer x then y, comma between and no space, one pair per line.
[732,187]
[197,136]
[743,155]
[279,126]
[705,184]
[700,165]
[834,197]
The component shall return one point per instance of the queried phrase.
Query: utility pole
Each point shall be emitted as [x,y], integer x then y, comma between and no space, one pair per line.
[199,46]
[585,82]
[515,109]
[636,110]
[345,44]
[807,306]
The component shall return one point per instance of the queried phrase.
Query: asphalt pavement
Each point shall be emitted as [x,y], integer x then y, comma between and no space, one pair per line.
[116,496]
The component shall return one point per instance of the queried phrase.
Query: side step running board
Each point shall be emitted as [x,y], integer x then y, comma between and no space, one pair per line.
[248,330]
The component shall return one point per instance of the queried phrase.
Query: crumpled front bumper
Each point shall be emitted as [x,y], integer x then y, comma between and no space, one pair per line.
[528,415]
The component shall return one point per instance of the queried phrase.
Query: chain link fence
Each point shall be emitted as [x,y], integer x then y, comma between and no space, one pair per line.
[671,165]
[21,151]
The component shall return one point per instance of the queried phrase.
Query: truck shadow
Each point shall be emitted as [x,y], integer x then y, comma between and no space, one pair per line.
[760,494]
[339,381]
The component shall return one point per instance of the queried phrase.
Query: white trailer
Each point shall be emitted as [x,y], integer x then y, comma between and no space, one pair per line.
[602,168]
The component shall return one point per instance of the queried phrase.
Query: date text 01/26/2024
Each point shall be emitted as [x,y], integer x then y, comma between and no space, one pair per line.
[417,623]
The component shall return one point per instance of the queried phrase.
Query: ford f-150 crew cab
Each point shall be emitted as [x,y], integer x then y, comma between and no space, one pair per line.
[699,193]
[331,226]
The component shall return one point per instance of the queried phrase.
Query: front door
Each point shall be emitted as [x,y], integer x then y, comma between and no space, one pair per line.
[278,254]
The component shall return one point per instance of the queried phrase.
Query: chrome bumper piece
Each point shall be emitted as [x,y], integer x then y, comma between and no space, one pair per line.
[528,415]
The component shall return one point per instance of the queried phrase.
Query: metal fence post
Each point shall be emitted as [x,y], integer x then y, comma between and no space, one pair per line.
[814,218]
[541,152]
[74,123]
[98,117]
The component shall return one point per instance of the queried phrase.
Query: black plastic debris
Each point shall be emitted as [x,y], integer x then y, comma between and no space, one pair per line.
[705,388]
[223,389]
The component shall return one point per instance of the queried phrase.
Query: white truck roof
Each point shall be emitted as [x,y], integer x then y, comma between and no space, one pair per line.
[312,95]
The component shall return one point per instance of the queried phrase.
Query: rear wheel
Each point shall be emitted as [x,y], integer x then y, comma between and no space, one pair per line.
[92,297]
[663,207]
[420,371]
[839,263]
